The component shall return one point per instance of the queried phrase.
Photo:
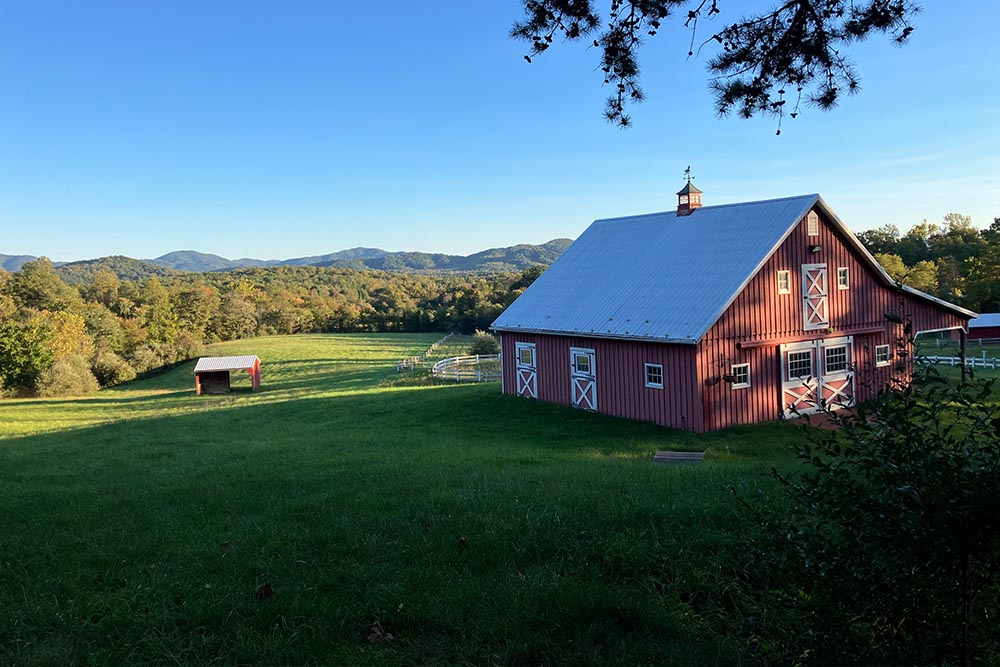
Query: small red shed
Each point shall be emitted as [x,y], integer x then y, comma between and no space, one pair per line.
[211,374]
[705,317]
[987,325]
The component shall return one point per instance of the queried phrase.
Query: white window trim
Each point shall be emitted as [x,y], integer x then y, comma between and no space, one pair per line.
[888,356]
[788,282]
[741,385]
[520,347]
[847,276]
[826,359]
[788,363]
[653,385]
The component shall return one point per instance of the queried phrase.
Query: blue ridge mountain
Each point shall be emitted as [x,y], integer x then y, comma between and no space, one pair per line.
[511,258]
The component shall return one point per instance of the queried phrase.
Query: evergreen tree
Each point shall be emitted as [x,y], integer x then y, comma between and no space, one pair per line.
[765,63]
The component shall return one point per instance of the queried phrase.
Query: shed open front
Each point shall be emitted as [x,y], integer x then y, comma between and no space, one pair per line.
[212,374]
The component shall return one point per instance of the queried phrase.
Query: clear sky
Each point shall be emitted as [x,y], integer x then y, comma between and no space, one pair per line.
[282,129]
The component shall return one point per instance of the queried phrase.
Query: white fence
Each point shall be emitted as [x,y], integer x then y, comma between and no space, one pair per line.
[971,362]
[971,342]
[467,369]
[413,362]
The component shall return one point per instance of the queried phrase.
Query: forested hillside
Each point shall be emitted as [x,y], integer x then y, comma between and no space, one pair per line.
[125,268]
[514,258]
[62,338]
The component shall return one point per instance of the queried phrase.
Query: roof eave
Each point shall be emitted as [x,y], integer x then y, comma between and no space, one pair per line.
[889,281]
[580,334]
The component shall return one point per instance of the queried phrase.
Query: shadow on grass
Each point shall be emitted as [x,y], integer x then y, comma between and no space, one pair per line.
[526,529]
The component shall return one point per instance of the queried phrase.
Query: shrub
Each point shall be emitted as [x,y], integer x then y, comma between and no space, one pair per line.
[484,343]
[187,346]
[145,358]
[110,369]
[69,376]
[891,547]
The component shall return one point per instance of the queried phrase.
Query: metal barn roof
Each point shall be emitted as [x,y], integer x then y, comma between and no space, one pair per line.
[986,320]
[209,364]
[662,276]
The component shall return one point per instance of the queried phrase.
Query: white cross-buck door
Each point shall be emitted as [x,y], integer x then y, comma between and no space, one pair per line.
[583,378]
[526,370]
[815,297]
[817,374]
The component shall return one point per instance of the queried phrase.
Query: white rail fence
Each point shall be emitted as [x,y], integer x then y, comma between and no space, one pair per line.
[971,362]
[971,342]
[467,369]
[413,362]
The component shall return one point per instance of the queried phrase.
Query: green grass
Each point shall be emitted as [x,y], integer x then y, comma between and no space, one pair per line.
[146,525]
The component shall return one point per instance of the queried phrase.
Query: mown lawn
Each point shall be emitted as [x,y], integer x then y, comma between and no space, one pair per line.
[329,520]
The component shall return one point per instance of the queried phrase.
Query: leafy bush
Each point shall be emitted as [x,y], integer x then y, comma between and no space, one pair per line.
[484,343]
[891,549]
[69,376]
[187,346]
[145,358]
[110,369]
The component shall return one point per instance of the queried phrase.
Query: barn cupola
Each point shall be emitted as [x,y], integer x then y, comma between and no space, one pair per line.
[689,197]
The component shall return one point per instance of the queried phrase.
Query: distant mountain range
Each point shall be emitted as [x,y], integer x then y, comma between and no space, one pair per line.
[14,262]
[513,258]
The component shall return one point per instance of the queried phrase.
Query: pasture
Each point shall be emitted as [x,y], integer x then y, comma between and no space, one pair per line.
[337,518]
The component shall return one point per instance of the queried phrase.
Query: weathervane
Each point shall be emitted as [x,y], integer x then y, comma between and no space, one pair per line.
[687,174]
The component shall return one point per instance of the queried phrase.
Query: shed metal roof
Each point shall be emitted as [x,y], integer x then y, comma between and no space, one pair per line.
[986,320]
[209,364]
[662,276]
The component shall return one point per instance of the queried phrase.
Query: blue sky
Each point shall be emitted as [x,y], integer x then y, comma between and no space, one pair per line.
[276,130]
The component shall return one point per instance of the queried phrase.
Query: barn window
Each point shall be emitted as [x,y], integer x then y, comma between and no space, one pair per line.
[741,376]
[882,355]
[812,223]
[654,376]
[843,278]
[526,356]
[800,365]
[581,362]
[784,282]
[836,359]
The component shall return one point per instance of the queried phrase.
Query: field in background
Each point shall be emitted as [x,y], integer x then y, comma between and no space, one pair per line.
[327,519]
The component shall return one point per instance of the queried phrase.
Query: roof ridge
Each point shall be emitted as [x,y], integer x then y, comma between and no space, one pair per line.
[706,208]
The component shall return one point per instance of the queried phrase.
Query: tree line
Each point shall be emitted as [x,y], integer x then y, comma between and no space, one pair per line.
[60,339]
[954,260]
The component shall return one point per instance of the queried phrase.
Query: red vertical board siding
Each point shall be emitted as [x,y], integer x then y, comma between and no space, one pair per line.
[621,380]
[984,332]
[759,313]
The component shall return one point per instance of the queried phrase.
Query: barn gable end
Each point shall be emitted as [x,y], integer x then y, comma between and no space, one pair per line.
[762,317]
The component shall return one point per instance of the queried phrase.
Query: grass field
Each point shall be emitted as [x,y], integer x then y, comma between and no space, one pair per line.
[330,520]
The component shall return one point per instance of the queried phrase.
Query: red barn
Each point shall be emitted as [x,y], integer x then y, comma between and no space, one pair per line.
[987,325]
[707,317]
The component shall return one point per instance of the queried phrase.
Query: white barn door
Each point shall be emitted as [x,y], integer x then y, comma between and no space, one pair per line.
[526,370]
[815,297]
[583,378]
[817,374]
[837,382]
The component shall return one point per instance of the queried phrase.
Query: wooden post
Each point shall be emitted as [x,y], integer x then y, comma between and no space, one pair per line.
[961,343]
